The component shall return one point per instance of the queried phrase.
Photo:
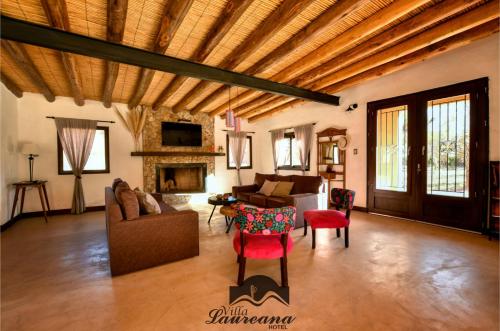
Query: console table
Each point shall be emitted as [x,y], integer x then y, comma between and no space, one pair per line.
[42,192]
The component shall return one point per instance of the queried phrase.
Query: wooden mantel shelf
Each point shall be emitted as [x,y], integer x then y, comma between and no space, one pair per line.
[162,153]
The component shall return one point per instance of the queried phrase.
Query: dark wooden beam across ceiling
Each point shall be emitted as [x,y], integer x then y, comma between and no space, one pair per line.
[43,36]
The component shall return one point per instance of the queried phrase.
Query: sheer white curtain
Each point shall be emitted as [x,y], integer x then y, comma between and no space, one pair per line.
[237,145]
[303,137]
[276,137]
[76,137]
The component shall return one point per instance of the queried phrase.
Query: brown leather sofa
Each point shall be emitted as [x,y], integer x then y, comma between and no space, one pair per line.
[304,194]
[149,240]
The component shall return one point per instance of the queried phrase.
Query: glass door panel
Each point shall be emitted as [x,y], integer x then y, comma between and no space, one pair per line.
[448,146]
[392,149]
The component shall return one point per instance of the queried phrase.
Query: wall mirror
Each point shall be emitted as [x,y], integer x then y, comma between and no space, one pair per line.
[330,153]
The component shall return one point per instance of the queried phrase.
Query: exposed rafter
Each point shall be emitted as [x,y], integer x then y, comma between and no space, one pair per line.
[272,24]
[229,16]
[39,35]
[116,17]
[449,28]
[312,30]
[173,15]
[57,15]
[10,85]
[337,45]
[423,54]
[22,60]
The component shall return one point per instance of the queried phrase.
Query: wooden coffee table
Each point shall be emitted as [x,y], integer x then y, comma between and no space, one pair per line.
[216,202]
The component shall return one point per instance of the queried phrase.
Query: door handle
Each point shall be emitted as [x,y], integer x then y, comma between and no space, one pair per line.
[418,168]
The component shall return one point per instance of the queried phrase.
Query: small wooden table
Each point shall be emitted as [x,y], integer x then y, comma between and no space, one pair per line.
[216,202]
[42,191]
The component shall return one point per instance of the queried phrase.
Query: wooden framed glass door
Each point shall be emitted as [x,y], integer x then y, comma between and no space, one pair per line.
[428,154]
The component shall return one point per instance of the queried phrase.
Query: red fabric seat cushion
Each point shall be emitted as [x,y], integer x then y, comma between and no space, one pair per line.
[261,246]
[320,219]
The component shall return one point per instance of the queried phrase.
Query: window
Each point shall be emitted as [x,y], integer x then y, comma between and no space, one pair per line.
[289,158]
[247,159]
[98,161]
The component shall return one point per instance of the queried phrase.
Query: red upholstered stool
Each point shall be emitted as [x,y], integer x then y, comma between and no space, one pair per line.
[331,219]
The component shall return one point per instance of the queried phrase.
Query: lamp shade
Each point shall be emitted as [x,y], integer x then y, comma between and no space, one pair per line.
[29,148]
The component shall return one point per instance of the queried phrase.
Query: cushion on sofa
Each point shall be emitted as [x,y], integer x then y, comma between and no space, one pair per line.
[121,186]
[283,189]
[245,196]
[268,188]
[166,208]
[258,199]
[129,204]
[277,202]
[147,203]
[261,178]
[306,184]
[116,181]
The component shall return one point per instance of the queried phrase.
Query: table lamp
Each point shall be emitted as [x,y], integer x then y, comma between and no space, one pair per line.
[31,150]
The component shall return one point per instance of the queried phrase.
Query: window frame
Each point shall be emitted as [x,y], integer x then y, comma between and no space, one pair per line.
[290,136]
[60,153]
[227,154]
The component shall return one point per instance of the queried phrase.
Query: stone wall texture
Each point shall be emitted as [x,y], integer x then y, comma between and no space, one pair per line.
[151,141]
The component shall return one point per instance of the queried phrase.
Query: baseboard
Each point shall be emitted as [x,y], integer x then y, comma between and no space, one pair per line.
[53,212]
[363,209]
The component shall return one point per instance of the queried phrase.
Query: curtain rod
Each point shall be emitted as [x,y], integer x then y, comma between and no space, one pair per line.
[97,120]
[291,127]
[245,131]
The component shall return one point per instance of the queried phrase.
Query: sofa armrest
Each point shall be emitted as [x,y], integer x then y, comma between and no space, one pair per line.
[303,202]
[245,188]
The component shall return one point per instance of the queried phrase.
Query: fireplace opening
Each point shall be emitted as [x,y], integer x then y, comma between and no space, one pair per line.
[181,177]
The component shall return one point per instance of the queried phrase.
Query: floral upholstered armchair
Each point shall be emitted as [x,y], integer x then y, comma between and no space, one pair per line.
[263,233]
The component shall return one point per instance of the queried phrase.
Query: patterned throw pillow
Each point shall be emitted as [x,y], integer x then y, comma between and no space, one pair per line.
[268,188]
[147,202]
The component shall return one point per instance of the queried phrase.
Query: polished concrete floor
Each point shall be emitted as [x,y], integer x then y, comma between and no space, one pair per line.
[396,275]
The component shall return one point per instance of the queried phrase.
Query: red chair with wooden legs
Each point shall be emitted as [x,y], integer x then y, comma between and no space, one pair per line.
[332,218]
[263,234]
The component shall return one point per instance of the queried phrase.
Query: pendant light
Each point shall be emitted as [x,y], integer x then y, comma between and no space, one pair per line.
[229,112]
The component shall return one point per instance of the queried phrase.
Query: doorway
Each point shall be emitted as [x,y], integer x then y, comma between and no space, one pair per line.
[428,155]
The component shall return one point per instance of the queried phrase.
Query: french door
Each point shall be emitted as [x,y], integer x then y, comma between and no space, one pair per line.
[428,154]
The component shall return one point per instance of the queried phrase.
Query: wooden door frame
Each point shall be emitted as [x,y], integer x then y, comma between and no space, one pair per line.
[479,128]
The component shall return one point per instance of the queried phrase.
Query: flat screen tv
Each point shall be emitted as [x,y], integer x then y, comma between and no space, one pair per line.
[180,134]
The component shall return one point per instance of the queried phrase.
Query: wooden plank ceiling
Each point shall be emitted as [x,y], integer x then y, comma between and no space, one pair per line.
[321,45]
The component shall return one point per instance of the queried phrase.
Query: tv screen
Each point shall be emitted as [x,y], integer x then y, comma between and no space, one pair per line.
[180,134]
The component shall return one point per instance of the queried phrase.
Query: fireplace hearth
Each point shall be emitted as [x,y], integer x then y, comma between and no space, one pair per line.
[181,177]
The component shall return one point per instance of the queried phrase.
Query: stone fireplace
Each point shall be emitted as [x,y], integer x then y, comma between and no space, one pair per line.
[181,177]
[189,171]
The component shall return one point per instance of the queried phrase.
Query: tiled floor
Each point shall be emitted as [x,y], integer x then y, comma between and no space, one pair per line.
[396,275]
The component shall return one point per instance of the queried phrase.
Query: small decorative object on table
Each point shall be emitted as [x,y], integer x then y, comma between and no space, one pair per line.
[31,150]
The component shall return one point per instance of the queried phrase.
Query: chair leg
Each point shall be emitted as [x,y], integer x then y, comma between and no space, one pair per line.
[346,235]
[238,258]
[284,271]
[314,238]
[338,233]
[305,228]
[241,270]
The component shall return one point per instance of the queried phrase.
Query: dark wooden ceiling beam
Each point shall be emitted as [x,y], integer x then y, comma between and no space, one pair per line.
[279,18]
[229,16]
[329,17]
[43,36]
[22,60]
[11,85]
[116,18]
[451,43]
[57,15]
[173,15]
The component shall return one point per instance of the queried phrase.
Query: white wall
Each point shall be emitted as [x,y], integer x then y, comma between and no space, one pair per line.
[477,60]
[33,126]
[8,152]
